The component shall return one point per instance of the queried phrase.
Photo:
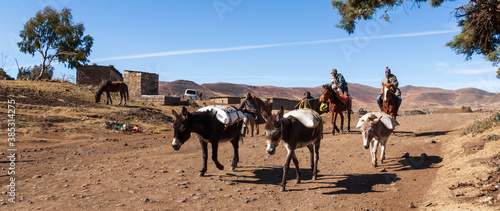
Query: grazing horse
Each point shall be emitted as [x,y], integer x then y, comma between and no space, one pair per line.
[265,109]
[209,130]
[294,135]
[336,107]
[112,86]
[389,100]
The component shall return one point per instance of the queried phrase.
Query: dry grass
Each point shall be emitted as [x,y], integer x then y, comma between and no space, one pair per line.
[482,125]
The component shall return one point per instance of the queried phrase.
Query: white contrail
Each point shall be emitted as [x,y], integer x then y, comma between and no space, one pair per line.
[248,47]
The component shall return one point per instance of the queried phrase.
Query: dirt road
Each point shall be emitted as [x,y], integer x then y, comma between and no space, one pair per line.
[109,170]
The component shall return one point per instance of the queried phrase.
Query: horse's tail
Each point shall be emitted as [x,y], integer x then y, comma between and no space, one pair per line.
[126,92]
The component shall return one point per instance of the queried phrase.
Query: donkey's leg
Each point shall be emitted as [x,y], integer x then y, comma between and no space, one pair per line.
[205,156]
[236,156]
[316,159]
[383,141]
[311,152]
[297,168]
[373,151]
[256,129]
[215,147]
[286,167]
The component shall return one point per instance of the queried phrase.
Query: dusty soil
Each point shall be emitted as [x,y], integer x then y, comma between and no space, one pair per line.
[67,159]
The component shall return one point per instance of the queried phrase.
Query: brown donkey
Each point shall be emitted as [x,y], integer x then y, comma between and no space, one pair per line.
[209,130]
[294,135]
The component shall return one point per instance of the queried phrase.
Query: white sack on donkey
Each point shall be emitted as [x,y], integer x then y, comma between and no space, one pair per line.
[376,127]
[306,116]
[227,115]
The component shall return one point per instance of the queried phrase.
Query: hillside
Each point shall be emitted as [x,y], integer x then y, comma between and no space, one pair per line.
[363,96]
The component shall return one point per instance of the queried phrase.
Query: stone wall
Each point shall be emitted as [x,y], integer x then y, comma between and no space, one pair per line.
[96,74]
[141,83]
[286,103]
[162,99]
[226,100]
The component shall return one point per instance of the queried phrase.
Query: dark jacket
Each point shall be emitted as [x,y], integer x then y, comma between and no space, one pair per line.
[250,106]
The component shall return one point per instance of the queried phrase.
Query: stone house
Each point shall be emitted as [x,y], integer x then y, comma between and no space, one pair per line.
[141,83]
[96,74]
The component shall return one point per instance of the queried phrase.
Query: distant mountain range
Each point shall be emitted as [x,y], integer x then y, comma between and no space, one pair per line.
[363,96]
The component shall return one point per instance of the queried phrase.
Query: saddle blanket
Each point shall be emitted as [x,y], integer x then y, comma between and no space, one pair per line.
[227,115]
[306,116]
[386,119]
[342,97]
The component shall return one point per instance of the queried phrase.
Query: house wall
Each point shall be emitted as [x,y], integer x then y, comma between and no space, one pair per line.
[141,83]
[96,74]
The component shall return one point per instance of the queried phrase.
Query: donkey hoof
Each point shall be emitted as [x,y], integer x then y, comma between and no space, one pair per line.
[202,174]
[221,167]
[315,177]
[282,189]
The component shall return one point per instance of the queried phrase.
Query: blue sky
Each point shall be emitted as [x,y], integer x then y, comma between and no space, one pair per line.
[258,42]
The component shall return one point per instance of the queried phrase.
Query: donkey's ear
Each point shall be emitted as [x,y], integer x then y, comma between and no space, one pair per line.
[185,112]
[175,114]
[280,113]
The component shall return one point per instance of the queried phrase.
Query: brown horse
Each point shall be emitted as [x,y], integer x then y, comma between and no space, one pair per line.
[112,86]
[264,108]
[336,107]
[389,100]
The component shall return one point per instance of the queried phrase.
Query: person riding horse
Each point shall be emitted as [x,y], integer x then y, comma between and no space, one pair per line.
[251,106]
[339,84]
[390,78]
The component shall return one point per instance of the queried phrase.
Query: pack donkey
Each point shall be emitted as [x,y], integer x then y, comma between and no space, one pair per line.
[376,127]
[209,130]
[294,135]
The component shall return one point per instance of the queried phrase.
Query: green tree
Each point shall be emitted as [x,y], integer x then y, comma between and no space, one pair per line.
[479,21]
[54,35]
[29,73]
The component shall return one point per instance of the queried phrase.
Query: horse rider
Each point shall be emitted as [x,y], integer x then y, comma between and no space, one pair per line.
[249,105]
[390,78]
[304,103]
[339,84]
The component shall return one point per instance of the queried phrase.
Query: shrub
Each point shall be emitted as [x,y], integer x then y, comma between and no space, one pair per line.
[482,125]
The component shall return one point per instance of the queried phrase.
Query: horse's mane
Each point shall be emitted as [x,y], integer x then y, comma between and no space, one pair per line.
[333,98]
[102,87]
